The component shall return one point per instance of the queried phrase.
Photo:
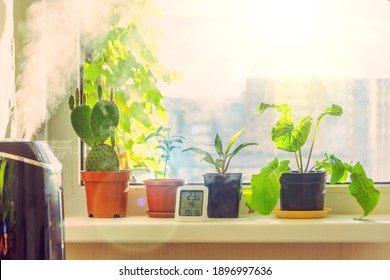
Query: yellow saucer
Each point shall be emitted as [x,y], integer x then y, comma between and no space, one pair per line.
[301,214]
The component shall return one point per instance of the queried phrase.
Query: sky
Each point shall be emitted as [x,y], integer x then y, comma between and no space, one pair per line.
[217,44]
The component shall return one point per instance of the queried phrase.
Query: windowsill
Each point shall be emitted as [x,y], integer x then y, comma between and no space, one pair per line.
[246,229]
[338,227]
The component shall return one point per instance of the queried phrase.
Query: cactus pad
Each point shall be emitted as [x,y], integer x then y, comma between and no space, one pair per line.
[104,120]
[102,157]
[94,126]
[80,123]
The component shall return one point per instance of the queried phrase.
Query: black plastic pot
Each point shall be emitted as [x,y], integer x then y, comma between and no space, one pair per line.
[302,191]
[224,194]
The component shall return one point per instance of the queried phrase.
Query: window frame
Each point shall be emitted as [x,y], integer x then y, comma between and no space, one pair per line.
[74,194]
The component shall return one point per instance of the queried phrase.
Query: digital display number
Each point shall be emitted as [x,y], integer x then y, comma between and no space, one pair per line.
[191,203]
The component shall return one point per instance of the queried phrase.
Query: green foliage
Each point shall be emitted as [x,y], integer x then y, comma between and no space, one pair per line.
[166,143]
[362,188]
[266,186]
[287,136]
[222,161]
[7,206]
[125,59]
[290,137]
[94,126]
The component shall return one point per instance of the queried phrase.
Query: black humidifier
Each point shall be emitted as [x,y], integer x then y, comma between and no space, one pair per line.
[31,202]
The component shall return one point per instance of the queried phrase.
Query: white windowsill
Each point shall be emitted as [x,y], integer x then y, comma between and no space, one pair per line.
[246,229]
[338,227]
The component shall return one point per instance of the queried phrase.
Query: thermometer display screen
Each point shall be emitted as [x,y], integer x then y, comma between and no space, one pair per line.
[191,203]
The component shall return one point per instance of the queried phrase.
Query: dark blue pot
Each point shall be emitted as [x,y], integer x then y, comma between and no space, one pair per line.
[224,194]
[302,191]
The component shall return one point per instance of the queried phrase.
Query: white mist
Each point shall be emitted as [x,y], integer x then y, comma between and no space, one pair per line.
[7,67]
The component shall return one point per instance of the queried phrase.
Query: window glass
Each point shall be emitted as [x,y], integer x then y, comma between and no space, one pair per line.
[311,54]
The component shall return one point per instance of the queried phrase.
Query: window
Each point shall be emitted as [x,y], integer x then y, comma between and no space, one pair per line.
[310,54]
[232,55]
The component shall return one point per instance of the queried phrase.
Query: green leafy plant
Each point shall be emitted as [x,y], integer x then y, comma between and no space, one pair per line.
[125,58]
[7,206]
[222,161]
[166,143]
[94,126]
[290,137]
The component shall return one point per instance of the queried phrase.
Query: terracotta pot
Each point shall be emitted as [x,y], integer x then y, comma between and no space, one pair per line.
[161,196]
[106,193]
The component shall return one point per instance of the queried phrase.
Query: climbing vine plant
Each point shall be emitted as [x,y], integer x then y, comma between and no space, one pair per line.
[125,59]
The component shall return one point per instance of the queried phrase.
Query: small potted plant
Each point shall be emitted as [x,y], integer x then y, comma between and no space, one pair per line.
[304,188]
[106,186]
[224,188]
[161,193]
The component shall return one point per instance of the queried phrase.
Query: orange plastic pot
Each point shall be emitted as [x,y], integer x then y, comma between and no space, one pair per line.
[161,196]
[106,193]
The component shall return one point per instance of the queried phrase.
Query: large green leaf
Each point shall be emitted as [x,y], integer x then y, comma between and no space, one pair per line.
[92,72]
[362,188]
[289,138]
[284,108]
[338,172]
[155,97]
[266,186]
[335,110]
[138,112]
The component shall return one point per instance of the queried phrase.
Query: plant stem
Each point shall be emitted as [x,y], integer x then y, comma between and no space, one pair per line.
[165,166]
[297,161]
[312,144]
[226,166]
[301,161]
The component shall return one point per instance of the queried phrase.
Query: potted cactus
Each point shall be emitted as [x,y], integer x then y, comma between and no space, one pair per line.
[105,185]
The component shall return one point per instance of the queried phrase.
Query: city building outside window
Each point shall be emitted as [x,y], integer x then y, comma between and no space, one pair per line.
[235,54]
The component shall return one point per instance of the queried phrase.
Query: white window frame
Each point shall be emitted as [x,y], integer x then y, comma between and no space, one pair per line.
[65,142]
